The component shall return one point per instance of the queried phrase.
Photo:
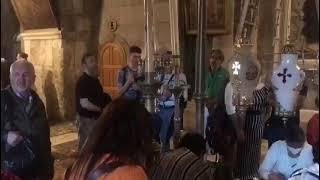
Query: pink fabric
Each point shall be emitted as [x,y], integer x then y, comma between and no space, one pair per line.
[8,176]
[313,130]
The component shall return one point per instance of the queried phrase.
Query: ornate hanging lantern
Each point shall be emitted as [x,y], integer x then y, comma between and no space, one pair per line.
[244,72]
[287,80]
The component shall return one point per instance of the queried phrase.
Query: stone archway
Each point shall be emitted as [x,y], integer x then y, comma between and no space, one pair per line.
[112,57]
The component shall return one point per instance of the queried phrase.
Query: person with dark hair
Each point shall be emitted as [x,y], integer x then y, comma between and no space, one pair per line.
[217,79]
[120,146]
[284,158]
[129,76]
[312,172]
[185,162]
[22,55]
[90,97]
[194,142]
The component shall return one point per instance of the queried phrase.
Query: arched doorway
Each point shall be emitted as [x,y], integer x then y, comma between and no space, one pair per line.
[112,58]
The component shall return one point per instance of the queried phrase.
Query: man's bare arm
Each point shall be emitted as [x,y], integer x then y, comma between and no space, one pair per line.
[86,104]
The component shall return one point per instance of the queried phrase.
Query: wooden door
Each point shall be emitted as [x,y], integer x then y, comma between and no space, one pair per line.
[112,58]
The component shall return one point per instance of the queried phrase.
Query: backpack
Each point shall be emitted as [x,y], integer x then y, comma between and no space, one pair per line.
[182,102]
[125,72]
[130,94]
[20,159]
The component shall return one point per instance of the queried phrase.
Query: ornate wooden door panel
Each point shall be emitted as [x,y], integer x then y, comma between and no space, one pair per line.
[112,58]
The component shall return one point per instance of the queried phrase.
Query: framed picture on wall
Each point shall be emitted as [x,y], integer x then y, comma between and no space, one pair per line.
[219,16]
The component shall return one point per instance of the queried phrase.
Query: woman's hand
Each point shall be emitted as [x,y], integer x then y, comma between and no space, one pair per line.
[276,176]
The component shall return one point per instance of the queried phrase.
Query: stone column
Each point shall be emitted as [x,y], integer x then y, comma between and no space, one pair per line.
[200,65]
[149,86]
[175,47]
[287,22]
[317,7]
[241,22]
[149,41]
[174,26]
[277,40]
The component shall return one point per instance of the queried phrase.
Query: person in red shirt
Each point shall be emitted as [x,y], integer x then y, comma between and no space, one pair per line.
[313,127]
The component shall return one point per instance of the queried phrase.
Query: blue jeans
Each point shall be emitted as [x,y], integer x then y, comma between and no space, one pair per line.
[133,95]
[166,115]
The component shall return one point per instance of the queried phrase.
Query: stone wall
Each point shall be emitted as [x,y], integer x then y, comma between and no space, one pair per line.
[57,54]
[129,14]
[79,22]
[188,43]
[46,53]
[9,46]
[83,27]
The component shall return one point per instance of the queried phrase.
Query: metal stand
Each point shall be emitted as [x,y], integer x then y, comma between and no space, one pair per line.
[200,65]
[177,91]
[149,90]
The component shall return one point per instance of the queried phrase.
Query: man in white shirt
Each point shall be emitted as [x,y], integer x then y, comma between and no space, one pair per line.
[312,172]
[286,157]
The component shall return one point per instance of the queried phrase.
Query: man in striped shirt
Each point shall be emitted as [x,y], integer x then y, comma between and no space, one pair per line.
[184,163]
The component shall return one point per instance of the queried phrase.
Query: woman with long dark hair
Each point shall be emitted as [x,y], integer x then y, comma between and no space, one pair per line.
[120,146]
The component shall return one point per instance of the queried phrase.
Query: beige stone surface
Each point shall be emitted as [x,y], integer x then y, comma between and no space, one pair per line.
[45,52]
[161,12]
[130,17]
[82,23]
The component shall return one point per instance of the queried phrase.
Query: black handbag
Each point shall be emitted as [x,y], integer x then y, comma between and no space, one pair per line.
[21,158]
[183,103]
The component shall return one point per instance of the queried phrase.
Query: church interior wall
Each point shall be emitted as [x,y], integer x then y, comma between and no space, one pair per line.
[84,27]
[129,15]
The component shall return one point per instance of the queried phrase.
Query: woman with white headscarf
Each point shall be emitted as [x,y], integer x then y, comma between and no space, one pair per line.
[246,99]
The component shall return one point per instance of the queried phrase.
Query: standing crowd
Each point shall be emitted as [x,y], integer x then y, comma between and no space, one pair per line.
[117,136]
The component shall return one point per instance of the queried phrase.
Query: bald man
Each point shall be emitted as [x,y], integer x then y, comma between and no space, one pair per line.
[25,134]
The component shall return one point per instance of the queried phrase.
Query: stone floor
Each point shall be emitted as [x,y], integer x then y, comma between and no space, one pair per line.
[64,139]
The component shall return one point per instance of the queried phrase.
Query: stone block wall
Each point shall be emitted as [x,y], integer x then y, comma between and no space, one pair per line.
[46,53]
[57,54]
[129,15]
[83,26]
[79,22]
